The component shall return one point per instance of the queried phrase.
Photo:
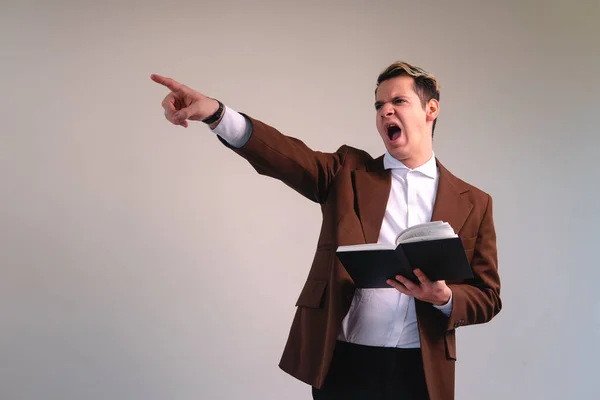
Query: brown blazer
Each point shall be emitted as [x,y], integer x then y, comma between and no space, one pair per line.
[352,189]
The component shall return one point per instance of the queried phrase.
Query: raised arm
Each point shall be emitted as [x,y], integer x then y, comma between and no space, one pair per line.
[270,152]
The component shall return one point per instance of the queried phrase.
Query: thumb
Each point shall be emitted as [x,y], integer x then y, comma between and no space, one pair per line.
[182,115]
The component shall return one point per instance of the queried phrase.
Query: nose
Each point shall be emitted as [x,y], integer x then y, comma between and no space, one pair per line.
[386,110]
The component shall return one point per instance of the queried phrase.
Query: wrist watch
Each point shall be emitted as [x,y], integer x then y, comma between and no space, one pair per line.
[215,117]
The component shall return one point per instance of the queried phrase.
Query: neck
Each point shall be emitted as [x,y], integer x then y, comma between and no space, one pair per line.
[414,161]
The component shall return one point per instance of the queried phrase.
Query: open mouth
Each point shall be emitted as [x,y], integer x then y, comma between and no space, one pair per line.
[393,132]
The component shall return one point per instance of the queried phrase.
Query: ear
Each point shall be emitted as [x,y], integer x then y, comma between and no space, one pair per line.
[432,110]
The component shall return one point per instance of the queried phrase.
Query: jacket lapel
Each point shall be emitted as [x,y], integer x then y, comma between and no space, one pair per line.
[449,205]
[372,189]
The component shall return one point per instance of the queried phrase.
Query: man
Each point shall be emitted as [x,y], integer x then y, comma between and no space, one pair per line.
[353,343]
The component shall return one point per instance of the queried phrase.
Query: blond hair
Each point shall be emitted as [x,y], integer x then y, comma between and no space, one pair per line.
[425,84]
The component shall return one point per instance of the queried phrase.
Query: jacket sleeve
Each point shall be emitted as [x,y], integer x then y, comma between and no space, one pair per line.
[478,301]
[291,161]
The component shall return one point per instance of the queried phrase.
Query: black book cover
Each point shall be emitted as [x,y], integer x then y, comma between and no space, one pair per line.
[440,259]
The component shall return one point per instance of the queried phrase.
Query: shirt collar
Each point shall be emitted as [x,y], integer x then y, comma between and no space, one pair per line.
[428,169]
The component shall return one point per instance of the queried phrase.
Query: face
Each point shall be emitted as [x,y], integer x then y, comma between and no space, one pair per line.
[402,121]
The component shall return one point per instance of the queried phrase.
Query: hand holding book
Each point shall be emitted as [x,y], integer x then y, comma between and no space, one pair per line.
[434,292]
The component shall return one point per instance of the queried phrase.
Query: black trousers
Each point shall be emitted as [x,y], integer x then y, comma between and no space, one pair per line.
[374,373]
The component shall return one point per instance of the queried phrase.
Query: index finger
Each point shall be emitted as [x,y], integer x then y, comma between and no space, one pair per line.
[421,276]
[168,82]
[410,285]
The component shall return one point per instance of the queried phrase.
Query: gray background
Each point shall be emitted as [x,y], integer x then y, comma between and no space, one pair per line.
[145,261]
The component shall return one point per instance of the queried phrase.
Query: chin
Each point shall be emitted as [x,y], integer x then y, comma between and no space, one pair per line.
[396,147]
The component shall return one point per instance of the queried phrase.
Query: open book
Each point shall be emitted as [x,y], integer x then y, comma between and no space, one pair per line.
[432,247]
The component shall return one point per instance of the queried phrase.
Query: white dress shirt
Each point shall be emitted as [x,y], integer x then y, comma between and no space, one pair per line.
[377,317]
[386,317]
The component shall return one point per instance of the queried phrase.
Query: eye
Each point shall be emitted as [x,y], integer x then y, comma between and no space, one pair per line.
[398,101]
[377,107]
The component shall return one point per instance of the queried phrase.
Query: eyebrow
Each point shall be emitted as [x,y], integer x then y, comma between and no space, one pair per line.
[379,103]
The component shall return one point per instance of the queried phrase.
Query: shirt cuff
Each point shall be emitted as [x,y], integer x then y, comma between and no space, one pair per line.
[233,128]
[446,308]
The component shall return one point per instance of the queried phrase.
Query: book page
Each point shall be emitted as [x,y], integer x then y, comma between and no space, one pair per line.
[426,231]
[367,247]
[424,238]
